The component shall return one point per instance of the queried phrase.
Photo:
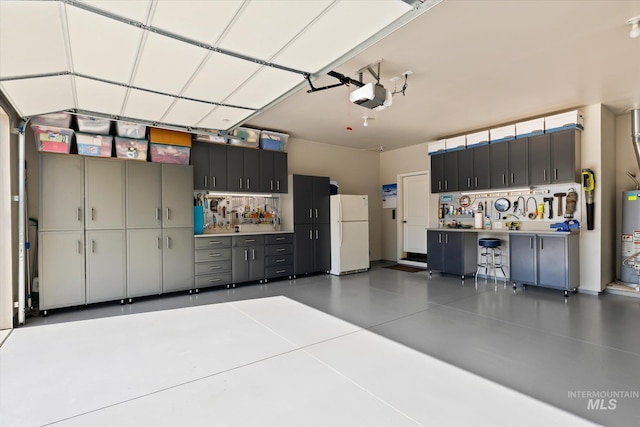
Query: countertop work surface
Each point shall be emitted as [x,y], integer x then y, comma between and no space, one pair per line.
[502,231]
[241,233]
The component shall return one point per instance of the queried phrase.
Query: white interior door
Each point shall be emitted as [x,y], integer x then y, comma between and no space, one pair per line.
[415,210]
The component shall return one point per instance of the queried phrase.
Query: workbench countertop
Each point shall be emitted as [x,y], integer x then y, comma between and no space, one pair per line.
[241,233]
[503,231]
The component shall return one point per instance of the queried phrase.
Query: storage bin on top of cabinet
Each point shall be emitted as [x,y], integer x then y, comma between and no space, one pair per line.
[58,120]
[52,140]
[131,130]
[131,149]
[96,125]
[273,140]
[94,145]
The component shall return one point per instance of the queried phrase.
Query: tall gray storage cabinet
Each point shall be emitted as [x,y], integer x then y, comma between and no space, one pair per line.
[545,259]
[312,233]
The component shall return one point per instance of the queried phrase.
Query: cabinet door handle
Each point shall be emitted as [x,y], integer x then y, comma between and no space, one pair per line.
[168,242]
[544,174]
[253,254]
[439,185]
[278,185]
[248,183]
[271,185]
[158,242]
[468,182]
[310,213]
[446,239]
[310,234]
[157,214]
[446,185]
[79,214]
[241,183]
[316,213]
[541,243]
[316,234]
[246,255]
[168,214]
[530,242]
[439,238]
[93,244]
[214,181]
[205,182]
[513,177]
[555,174]
[476,182]
[504,178]
[92,214]
[79,247]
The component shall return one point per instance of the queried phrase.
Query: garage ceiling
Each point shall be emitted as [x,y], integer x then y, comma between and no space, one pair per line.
[188,64]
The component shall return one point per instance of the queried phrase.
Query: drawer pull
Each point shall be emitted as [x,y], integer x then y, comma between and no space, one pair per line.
[281,271]
[214,255]
[280,250]
[249,240]
[215,280]
[215,268]
[280,260]
[215,242]
[279,238]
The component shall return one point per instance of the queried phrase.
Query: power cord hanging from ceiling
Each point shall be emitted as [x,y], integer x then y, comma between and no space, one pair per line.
[404,86]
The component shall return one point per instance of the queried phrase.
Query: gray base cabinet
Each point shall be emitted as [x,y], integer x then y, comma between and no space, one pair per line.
[61,269]
[213,261]
[247,259]
[144,262]
[278,255]
[106,265]
[177,259]
[548,260]
[452,252]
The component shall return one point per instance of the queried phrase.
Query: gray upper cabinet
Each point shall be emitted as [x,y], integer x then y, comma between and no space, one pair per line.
[251,169]
[209,166]
[444,172]
[499,161]
[61,192]
[518,164]
[235,169]
[144,195]
[437,173]
[273,171]
[177,196]
[539,160]
[473,168]
[104,194]
[565,149]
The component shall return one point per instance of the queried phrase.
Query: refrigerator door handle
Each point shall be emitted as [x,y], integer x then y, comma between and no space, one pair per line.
[340,209]
[340,230]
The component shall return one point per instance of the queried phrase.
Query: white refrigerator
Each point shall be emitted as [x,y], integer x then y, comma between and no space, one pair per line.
[349,233]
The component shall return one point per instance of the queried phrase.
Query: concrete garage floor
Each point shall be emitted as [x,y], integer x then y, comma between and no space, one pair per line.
[384,347]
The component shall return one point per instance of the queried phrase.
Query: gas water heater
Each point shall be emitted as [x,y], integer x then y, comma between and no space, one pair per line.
[630,244]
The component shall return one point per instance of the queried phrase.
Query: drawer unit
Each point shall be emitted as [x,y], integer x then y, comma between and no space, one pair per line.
[205,255]
[213,242]
[272,261]
[212,261]
[279,255]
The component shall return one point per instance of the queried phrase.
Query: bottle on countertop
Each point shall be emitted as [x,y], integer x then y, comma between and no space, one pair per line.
[487,223]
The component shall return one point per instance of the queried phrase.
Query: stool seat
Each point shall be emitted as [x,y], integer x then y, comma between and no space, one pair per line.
[489,242]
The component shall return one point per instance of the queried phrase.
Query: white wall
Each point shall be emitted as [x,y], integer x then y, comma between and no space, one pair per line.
[356,171]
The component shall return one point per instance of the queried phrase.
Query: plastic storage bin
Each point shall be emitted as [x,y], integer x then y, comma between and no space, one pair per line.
[131,130]
[52,140]
[96,125]
[478,138]
[504,133]
[163,153]
[273,140]
[94,145]
[530,128]
[455,144]
[245,137]
[133,149]
[58,120]
[436,147]
[205,137]
[169,137]
[569,120]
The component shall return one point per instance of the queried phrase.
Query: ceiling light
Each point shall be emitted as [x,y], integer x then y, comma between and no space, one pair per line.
[635,27]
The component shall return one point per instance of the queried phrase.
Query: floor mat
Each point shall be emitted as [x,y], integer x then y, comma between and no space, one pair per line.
[406,268]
